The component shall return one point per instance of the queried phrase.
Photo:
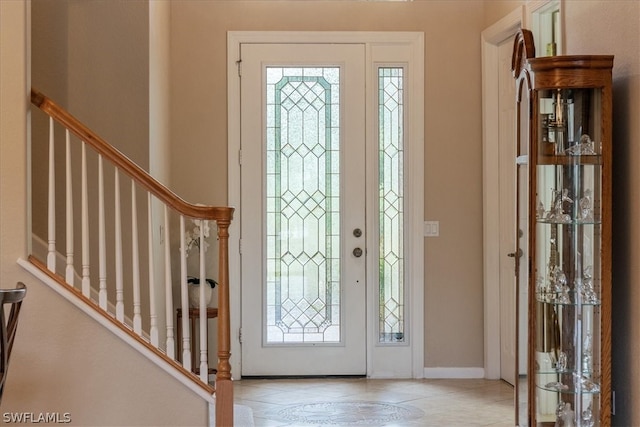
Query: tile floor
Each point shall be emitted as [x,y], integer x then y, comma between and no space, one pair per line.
[368,402]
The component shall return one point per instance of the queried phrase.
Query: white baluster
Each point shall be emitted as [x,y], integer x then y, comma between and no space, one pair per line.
[69,270]
[153,332]
[102,248]
[204,367]
[135,255]
[184,298]
[86,281]
[118,252]
[51,213]
[171,349]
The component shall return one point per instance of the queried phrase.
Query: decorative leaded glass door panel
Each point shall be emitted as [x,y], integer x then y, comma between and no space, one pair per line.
[303,209]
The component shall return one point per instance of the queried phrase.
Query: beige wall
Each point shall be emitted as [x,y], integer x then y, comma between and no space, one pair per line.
[453,162]
[93,59]
[496,9]
[51,46]
[108,72]
[611,27]
[62,361]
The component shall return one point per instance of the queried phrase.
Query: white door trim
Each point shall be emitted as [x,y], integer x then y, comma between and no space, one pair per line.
[414,176]
[491,39]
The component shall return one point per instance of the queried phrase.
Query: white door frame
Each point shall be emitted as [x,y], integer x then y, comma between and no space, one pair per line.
[492,37]
[414,175]
[523,16]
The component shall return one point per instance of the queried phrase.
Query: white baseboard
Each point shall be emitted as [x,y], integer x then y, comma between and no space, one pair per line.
[453,373]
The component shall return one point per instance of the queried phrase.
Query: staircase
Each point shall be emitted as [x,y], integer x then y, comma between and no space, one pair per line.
[117,245]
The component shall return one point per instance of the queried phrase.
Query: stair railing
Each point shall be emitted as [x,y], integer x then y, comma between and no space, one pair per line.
[107,289]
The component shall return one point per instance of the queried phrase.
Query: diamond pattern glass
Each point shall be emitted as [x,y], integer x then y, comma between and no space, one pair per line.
[391,202]
[302,198]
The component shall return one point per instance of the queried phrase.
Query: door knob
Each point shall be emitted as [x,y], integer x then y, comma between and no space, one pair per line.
[357,232]
[357,252]
[515,254]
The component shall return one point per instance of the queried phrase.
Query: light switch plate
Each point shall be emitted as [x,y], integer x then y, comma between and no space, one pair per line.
[432,228]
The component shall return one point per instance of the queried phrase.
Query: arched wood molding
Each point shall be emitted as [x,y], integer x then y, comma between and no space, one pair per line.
[523,49]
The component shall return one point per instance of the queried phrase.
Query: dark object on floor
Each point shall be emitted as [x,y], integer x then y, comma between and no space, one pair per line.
[8,326]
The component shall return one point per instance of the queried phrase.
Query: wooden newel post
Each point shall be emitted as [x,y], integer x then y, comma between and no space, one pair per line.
[224,386]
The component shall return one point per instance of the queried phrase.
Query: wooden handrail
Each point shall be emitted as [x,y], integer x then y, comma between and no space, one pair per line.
[221,215]
[123,163]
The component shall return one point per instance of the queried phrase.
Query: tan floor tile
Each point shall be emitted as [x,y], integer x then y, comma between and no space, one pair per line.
[449,403]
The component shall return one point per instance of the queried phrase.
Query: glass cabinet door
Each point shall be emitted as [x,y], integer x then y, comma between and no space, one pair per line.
[567,268]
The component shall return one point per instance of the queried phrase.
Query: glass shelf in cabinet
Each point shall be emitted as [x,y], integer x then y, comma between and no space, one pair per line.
[573,221]
[554,298]
[559,387]
[565,372]
[566,160]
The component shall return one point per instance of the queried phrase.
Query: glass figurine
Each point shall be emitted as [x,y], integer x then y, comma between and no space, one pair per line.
[587,417]
[584,147]
[557,214]
[586,207]
[561,364]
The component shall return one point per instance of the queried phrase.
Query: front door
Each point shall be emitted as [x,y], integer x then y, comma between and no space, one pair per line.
[303,247]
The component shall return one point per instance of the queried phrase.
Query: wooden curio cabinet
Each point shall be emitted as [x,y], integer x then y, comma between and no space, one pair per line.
[564,208]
